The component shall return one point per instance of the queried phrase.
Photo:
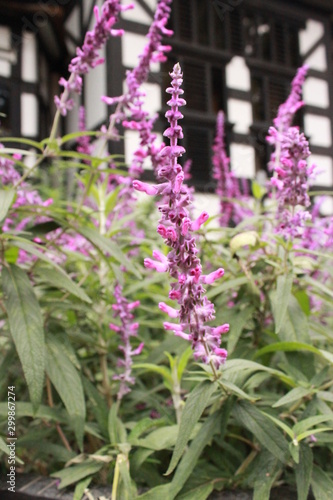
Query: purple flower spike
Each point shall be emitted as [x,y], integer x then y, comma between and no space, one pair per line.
[87,56]
[227,184]
[291,171]
[178,231]
[126,330]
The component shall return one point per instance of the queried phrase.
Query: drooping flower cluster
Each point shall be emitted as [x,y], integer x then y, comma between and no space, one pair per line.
[182,262]
[154,51]
[227,187]
[291,171]
[127,329]
[88,56]
[287,110]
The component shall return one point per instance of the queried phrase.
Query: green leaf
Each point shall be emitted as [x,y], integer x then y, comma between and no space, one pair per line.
[117,431]
[280,424]
[190,458]
[307,423]
[77,472]
[81,487]
[106,246]
[6,200]
[287,347]
[194,406]
[258,191]
[227,285]
[294,451]
[304,301]
[162,438]
[201,492]
[142,426]
[235,390]
[99,406]
[322,484]
[319,285]
[266,471]
[303,471]
[67,382]
[281,299]
[183,360]
[294,395]
[162,491]
[240,319]
[60,279]
[161,370]
[306,434]
[28,142]
[266,433]
[128,490]
[11,255]
[26,326]
[3,446]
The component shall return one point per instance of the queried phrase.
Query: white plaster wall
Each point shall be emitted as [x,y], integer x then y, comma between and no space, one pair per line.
[318,59]
[242,160]
[95,85]
[4,38]
[324,170]
[29,70]
[29,115]
[132,46]
[131,142]
[238,74]
[326,207]
[318,128]
[315,92]
[73,22]
[138,14]
[5,68]
[313,32]
[240,113]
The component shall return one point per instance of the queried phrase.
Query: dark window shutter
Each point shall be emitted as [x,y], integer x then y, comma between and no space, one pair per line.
[195,86]
[277,95]
[185,14]
[236,32]
[198,150]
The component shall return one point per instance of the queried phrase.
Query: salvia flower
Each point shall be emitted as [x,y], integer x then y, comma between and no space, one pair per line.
[87,56]
[227,184]
[127,329]
[178,231]
[289,162]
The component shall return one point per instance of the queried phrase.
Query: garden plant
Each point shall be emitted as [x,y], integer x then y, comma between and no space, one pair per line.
[164,352]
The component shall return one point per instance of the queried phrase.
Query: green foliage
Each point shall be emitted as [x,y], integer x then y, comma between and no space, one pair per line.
[264,419]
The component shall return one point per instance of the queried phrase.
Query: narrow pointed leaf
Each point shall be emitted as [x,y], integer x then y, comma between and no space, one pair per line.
[6,199]
[195,405]
[322,484]
[106,246]
[66,379]
[294,395]
[303,471]
[26,327]
[60,279]
[266,433]
[190,458]
[281,299]
[307,423]
[77,472]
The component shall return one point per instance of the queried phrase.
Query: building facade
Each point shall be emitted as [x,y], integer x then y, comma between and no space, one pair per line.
[237,55]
